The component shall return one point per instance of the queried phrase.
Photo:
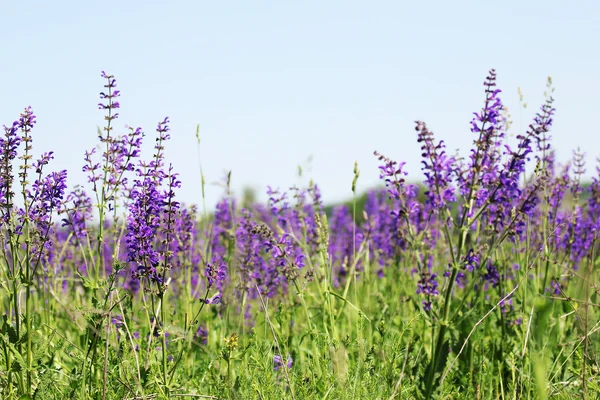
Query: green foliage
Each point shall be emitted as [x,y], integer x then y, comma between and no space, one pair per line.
[379,348]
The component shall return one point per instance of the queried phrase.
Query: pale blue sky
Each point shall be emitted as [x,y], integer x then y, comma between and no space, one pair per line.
[272,83]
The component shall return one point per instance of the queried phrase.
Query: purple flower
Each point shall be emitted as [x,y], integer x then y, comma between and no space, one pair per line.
[427,284]
[108,98]
[278,362]
[202,334]
[8,146]
[79,213]
[142,228]
[117,321]
[151,226]
[555,287]
[491,275]
[479,174]
[470,260]
[437,168]
[392,174]
[215,299]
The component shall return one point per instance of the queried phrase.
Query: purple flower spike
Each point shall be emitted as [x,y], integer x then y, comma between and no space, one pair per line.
[438,169]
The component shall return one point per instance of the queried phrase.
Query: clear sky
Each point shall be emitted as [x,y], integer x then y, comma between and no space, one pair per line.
[275,83]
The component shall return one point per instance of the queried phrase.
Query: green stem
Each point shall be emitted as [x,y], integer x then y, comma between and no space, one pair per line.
[164,344]
[436,355]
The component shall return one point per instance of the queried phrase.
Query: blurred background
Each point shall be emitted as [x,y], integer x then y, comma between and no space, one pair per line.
[278,86]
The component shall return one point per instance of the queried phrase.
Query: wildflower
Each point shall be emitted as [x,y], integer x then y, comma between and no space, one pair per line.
[437,168]
[555,287]
[79,213]
[491,275]
[152,213]
[470,260]
[216,299]
[278,362]
[202,334]
[427,285]
[142,227]
[117,321]
[8,146]
[231,342]
[392,173]
[480,173]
